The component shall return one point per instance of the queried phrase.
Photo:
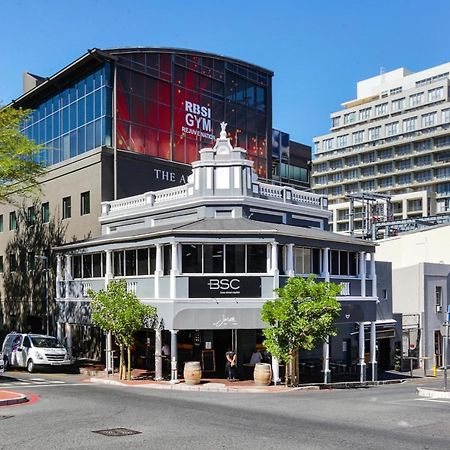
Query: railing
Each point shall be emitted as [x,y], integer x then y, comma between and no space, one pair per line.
[290,195]
[168,195]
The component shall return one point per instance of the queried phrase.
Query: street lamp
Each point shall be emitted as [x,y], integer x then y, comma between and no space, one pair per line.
[45,259]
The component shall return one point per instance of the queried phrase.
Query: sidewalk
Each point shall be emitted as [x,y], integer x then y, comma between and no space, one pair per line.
[11,398]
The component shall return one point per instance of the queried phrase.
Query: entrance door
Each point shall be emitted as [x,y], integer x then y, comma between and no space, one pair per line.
[438,347]
[222,343]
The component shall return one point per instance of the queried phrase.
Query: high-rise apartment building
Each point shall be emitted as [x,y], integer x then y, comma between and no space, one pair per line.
[393,139]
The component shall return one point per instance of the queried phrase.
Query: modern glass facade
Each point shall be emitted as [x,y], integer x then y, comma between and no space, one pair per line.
[77,119]
[170,105]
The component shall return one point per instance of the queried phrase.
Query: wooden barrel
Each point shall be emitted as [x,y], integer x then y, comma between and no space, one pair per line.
[192,372]
[262,374]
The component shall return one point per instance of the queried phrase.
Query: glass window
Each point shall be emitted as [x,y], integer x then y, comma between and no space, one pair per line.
[438,298]
[1,223]
[67,207]
[12,221]
[191,258]
[118,263]
[31,215]
[87,266]
[167,259]
[213,258]
[256,258]
[152,258]
[76,266]
[45,212]
[97,265]
[1,264]
[235,258]
[85,203]
[142,255]
[130,263]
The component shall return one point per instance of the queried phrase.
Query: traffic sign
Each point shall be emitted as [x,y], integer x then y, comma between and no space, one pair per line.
[445,327]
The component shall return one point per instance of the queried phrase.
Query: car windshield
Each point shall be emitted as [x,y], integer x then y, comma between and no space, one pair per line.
[46,342]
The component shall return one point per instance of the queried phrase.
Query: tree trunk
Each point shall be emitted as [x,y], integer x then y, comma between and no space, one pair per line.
[121,364]
[129,361]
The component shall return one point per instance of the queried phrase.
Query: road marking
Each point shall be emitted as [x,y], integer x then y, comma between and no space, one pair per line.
[433,400]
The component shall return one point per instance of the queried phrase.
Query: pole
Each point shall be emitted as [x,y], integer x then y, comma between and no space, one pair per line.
[46,296]
[445,347]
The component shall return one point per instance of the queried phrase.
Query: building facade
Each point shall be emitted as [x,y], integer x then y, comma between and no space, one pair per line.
[392,139]
[119,122]
[208,255]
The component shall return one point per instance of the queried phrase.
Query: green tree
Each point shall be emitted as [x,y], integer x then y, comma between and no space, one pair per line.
[120,313]
[19,171]
[302,317]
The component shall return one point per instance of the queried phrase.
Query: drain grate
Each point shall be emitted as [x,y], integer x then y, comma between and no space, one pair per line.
[117,432]
[5,417]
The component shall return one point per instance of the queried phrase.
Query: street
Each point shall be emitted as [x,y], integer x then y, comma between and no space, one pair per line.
[65,411]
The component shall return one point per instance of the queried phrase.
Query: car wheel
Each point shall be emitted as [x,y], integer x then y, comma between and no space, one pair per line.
[30,366]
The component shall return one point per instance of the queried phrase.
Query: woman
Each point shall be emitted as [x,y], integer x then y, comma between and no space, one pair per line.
[230,367]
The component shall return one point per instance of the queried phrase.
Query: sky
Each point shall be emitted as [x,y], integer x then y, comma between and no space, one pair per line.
[318,49]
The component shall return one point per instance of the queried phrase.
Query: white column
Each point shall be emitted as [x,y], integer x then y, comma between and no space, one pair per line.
[373,274]
[269,259]
[59,275]
[326,361]
[290,270]
[158,269]
[275,371]
[158,355]
[326,264]
[174,355]
[108,267]
[274,269]
[68,274]
[59,331]
[362,363]
[373,350]
[362,272]
[174,270]
[108,347]
[68,327]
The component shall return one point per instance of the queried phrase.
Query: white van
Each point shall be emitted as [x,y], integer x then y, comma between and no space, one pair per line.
[31,350]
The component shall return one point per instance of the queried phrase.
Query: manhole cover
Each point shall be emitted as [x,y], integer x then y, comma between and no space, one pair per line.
[5,417]
[117,432]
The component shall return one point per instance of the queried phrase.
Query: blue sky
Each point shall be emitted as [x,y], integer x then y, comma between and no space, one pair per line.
[317,49]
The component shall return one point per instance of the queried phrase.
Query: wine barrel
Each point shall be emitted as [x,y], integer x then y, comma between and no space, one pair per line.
[192,372]
[262,374]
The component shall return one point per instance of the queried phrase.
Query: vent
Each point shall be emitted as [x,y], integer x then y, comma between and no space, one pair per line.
[114,432]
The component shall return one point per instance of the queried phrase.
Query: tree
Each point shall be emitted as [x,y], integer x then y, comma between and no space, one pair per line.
[19,171]
[24,305]
[301,317]
[120,313]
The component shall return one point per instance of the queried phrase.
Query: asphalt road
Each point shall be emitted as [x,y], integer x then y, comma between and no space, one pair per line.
[66,413]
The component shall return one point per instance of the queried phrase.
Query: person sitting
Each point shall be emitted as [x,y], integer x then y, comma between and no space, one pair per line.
[256,357]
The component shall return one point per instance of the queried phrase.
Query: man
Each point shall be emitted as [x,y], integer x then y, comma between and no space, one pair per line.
[230,366]
[165,353]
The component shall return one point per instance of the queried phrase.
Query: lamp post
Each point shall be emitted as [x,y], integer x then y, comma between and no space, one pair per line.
[45,259]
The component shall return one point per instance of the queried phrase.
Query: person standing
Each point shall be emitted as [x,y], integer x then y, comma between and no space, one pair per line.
[230,367]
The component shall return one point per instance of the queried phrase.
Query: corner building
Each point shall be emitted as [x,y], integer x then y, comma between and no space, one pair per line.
[392,139]
[209,253]
[119,122]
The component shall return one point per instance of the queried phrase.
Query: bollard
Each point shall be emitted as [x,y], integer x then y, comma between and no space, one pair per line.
[434,371]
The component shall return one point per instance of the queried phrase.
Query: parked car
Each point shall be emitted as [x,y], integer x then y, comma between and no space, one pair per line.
[2,365]
[31,350]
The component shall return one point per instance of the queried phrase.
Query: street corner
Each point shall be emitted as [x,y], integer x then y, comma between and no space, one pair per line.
[433,393]
[9,398]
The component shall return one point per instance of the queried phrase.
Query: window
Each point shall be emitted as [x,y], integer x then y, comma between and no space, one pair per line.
[352,161]
[12,221]
[191,258]
[343,263]
[409,124]
[302,260]
[416,99]
[1,223]
[85,203]
[358,137]
[335,121]
[423,160]
[364,114]
[391,129]
[352,174]
[142,263]
[67,207]
[374,133]
[438,296]
[368,185]
[381,110]
[445,115]
[385,153]
[385,182]
[404,179]
[45,212]
[368,171]
[349,118]
[435,94]
[368,157]
[398,105]
[31,215]
[328,144]
[1,264]
[429,120]
[403,150]
[213,258]
[341,141]
[256,258]
[403,164]
[235,258]
[118,264]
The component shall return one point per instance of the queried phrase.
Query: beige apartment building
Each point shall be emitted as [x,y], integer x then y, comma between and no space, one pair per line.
[393,139]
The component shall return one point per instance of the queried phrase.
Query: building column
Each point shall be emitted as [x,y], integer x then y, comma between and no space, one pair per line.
[326,361]
[373,351]
[59,276]
[362,363]
[373,274]
[274,264]
[68,274]
[68,329]
[326,264]
[158,268]
[362,272]
[158,355]
[290,270]
[109,364]
[174,270]
[174,355]
[275,371]
[59,331]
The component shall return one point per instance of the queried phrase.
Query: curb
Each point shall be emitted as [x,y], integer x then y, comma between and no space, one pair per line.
[14,398]
[433,393]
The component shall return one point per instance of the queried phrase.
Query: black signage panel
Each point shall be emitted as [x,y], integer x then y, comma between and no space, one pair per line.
[357,311]
[223,287]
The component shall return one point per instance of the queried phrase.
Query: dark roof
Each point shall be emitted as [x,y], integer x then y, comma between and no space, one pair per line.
[234,227]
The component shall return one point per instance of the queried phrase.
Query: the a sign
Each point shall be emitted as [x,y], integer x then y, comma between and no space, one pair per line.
[197,120]
[220,287]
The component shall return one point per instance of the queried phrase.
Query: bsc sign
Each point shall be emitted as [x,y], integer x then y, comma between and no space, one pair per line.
[217,287]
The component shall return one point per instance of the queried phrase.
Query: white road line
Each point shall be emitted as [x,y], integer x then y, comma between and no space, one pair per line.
[433,400]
